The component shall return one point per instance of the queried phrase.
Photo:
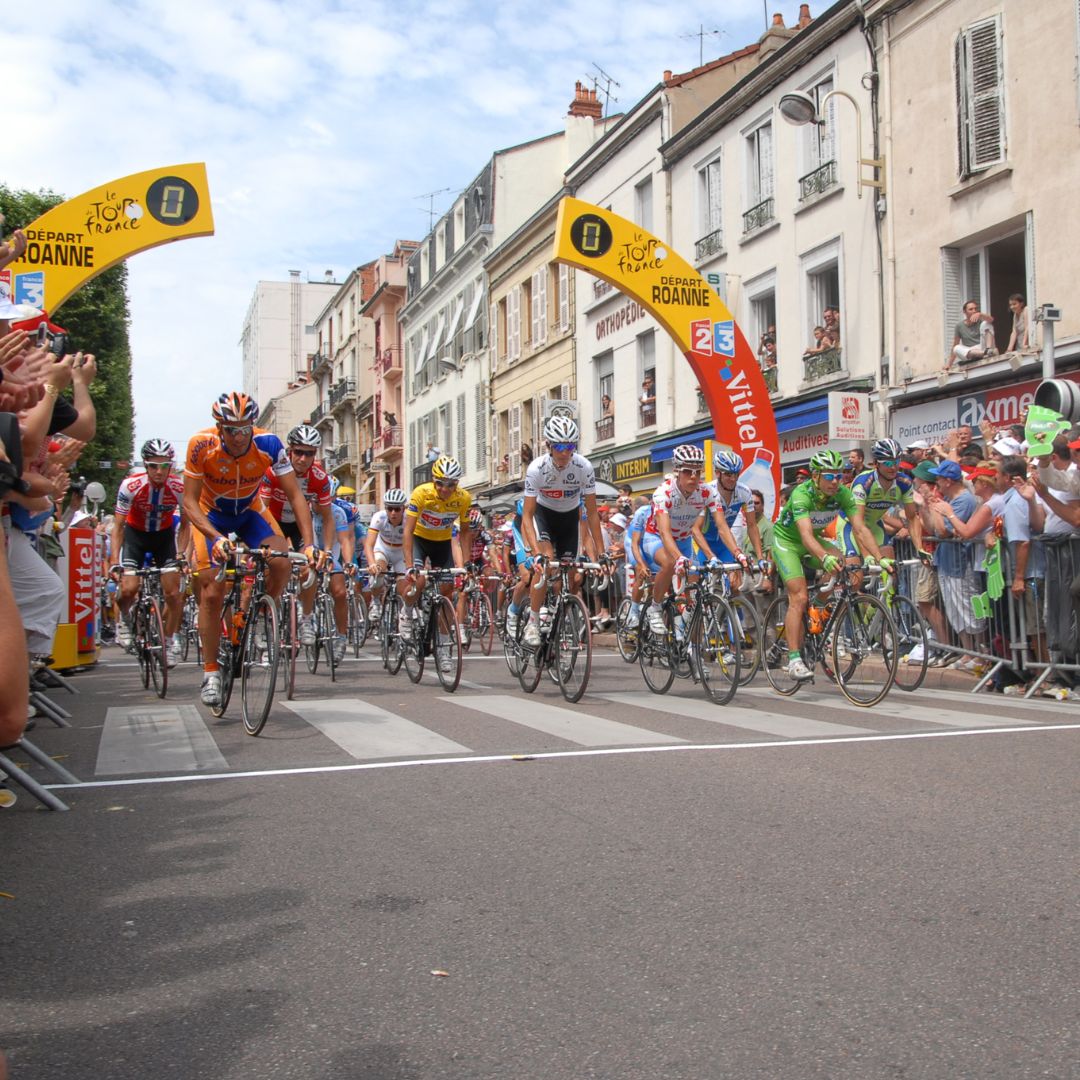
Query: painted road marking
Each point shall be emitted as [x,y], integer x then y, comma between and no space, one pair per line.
[156,738]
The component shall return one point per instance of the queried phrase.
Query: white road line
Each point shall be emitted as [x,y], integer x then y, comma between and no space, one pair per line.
[155,738]
[432,676]
[364,730]
[897,706]
[576,727]
[551,755]
[769,723]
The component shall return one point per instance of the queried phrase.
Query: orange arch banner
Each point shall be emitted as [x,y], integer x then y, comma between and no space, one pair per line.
[643,267]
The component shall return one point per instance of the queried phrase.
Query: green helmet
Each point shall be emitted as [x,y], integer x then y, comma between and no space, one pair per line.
[826,461]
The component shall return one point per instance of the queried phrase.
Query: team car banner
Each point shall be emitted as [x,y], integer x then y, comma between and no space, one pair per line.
[643,267]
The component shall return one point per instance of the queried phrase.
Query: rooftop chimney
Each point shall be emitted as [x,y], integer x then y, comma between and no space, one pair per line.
[804,16]
[776,37]
[330,277]
[585,103]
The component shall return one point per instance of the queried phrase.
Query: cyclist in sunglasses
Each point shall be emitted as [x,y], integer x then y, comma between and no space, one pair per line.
[556,484]
[798,541]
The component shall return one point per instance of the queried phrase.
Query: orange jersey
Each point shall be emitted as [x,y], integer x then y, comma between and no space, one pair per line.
[230,485]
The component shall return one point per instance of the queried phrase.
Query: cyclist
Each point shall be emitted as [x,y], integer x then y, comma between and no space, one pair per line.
[224,470]
[555,485]
[304,442]
[432,512]
[341,549]
[677,504]
[638,571]
[522,562]
[383,544]
[798,540]
[732,499]
[147,507]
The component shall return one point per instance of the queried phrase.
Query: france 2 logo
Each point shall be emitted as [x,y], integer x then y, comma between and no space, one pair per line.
[701,336]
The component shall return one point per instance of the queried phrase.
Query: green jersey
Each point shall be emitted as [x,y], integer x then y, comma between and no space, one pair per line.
[805,501]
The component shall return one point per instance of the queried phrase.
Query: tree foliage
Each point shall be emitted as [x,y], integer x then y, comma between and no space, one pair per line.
[97,318]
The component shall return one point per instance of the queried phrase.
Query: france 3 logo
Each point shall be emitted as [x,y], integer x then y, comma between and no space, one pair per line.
[713,339]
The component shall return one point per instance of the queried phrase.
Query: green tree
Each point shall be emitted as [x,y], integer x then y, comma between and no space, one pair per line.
[97,318]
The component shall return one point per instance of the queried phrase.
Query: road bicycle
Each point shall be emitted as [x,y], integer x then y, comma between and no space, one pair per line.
[565,647]
[627,631]
[479,625]
[913,632]
[850,634]
[434,632]
[701,638]
[360,623]
[148,629]
[324,622]
[289,622]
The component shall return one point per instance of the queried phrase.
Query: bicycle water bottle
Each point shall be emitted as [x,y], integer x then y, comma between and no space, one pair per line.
[545,619]
[758,476]
[816,618]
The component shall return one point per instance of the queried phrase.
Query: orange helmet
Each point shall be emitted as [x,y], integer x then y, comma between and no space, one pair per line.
[235,408]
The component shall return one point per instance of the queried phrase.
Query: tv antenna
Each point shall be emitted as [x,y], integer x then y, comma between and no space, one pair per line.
[430,196]
[608,81]
[701,35]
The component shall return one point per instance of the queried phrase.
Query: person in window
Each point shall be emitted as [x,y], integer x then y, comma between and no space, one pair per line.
[1021,325]
[648,392]
[819,345]
[768,337]
[526,454]
[606,407]
[974,337]
[768,357]
[831,317]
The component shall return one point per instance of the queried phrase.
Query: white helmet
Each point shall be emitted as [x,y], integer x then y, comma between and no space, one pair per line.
[560,429]
[394,497]
[688,455]
[304,435]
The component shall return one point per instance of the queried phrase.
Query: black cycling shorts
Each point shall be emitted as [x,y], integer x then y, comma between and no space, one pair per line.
[560,528]
[160,546]
[439,552]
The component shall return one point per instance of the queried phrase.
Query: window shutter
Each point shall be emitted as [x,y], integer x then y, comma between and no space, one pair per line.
[513,323]
[987,95]
[951,301]
[564,295]
[481,427]
[535,334]
[414,449]
[962,118]
[715,195]
[540,288]
[461,432]
[513,431]
[766,151]
[493,336]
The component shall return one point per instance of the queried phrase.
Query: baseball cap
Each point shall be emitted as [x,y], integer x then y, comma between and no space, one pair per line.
[618,520]
[1007,447]
[925,471]
[949,470]
[919,444]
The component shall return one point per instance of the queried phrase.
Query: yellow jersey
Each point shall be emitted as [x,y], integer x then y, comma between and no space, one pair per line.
[436,517]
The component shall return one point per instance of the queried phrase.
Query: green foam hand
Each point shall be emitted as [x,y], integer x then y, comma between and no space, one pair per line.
[1042,426]
[981,606]
[995,580]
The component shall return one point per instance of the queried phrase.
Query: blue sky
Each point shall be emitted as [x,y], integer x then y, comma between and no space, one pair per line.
[321,125]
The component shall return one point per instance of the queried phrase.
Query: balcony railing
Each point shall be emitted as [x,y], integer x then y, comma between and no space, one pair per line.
[319,412]
[819,365]
[770,379]
[319,360]
[713,244]
[601,288]
[758,216]
[388,439]
[388,364]
[647,414]
[818,181]
[344,391]
[605,428]
[702,404]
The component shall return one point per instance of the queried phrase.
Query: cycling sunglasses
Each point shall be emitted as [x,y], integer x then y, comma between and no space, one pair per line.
[830,476]
[562,447]
[237,429]
[302,453]
[889,463]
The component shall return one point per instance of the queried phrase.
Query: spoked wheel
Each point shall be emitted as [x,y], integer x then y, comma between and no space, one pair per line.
[261,655]
[390,643]
[290,644]
[360,626]
[139,643]
[626,637]
[654,654]
[716,651]
[913,640]
[188,627]
[414,645]
[864,649]
[745,634]
[774,648]
[573,648]
[481,621]
[226,660]
[328,633]
[311,652]
[531,658]
[155,648]
[511,645]
[447,644]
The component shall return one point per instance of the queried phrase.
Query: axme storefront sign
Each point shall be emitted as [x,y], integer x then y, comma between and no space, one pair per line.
[667,287]
[77,240]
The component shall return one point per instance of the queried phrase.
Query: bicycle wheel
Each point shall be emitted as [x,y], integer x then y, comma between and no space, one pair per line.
[328,633]
[913,640]
[626,637]
[138,642]
[261,655]
[716,653]
[311,652]
[390,643]
[414,646]
[290,643]
[185,630]
[654,654]
[226,660]
[358,622]
[481,621]
[530,659]
[745,634]
[447,644]
[864,649]
[512,644]
[154,643]
[573,647]
[773,648]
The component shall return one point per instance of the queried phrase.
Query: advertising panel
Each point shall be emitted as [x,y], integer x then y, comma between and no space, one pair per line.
[849,415]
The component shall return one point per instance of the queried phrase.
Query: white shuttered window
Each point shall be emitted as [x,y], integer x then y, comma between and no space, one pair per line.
[980,97]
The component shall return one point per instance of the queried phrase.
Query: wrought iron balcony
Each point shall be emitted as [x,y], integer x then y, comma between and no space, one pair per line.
[820,365]
[320,410]
[388,439]
[702,404]
[647,414]
[388,364]
[758,216]
[712,244]
[770,374]
[605,428]
[343,392]
[818,181]
[319,361]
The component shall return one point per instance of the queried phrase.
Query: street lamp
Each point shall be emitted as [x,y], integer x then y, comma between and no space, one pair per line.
[799,108]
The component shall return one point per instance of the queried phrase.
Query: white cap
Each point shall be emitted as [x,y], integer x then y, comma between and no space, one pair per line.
[618,520]
[919,444]
[1007,447]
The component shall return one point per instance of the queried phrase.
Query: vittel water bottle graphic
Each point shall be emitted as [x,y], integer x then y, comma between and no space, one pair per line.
[758,476]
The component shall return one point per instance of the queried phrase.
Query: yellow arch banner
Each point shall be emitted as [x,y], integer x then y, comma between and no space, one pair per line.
[77,240]
[643,267]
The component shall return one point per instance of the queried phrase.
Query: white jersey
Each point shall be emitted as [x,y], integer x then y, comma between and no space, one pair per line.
[385,531]
[741,496]
[560,489]
[682,510]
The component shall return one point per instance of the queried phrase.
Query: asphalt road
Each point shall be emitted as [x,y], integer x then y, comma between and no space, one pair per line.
[703,899]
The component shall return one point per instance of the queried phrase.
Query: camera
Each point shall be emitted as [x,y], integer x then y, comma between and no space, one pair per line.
[57,344]
[78,485]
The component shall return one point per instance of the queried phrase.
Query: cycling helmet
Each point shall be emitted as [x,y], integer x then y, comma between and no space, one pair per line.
[826,461]
[476,517]
[157,448]
[304,435]
[445,468]
[235,408]
[688,455]
[394,497]
[886,450]
[727,461]
[560,429]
